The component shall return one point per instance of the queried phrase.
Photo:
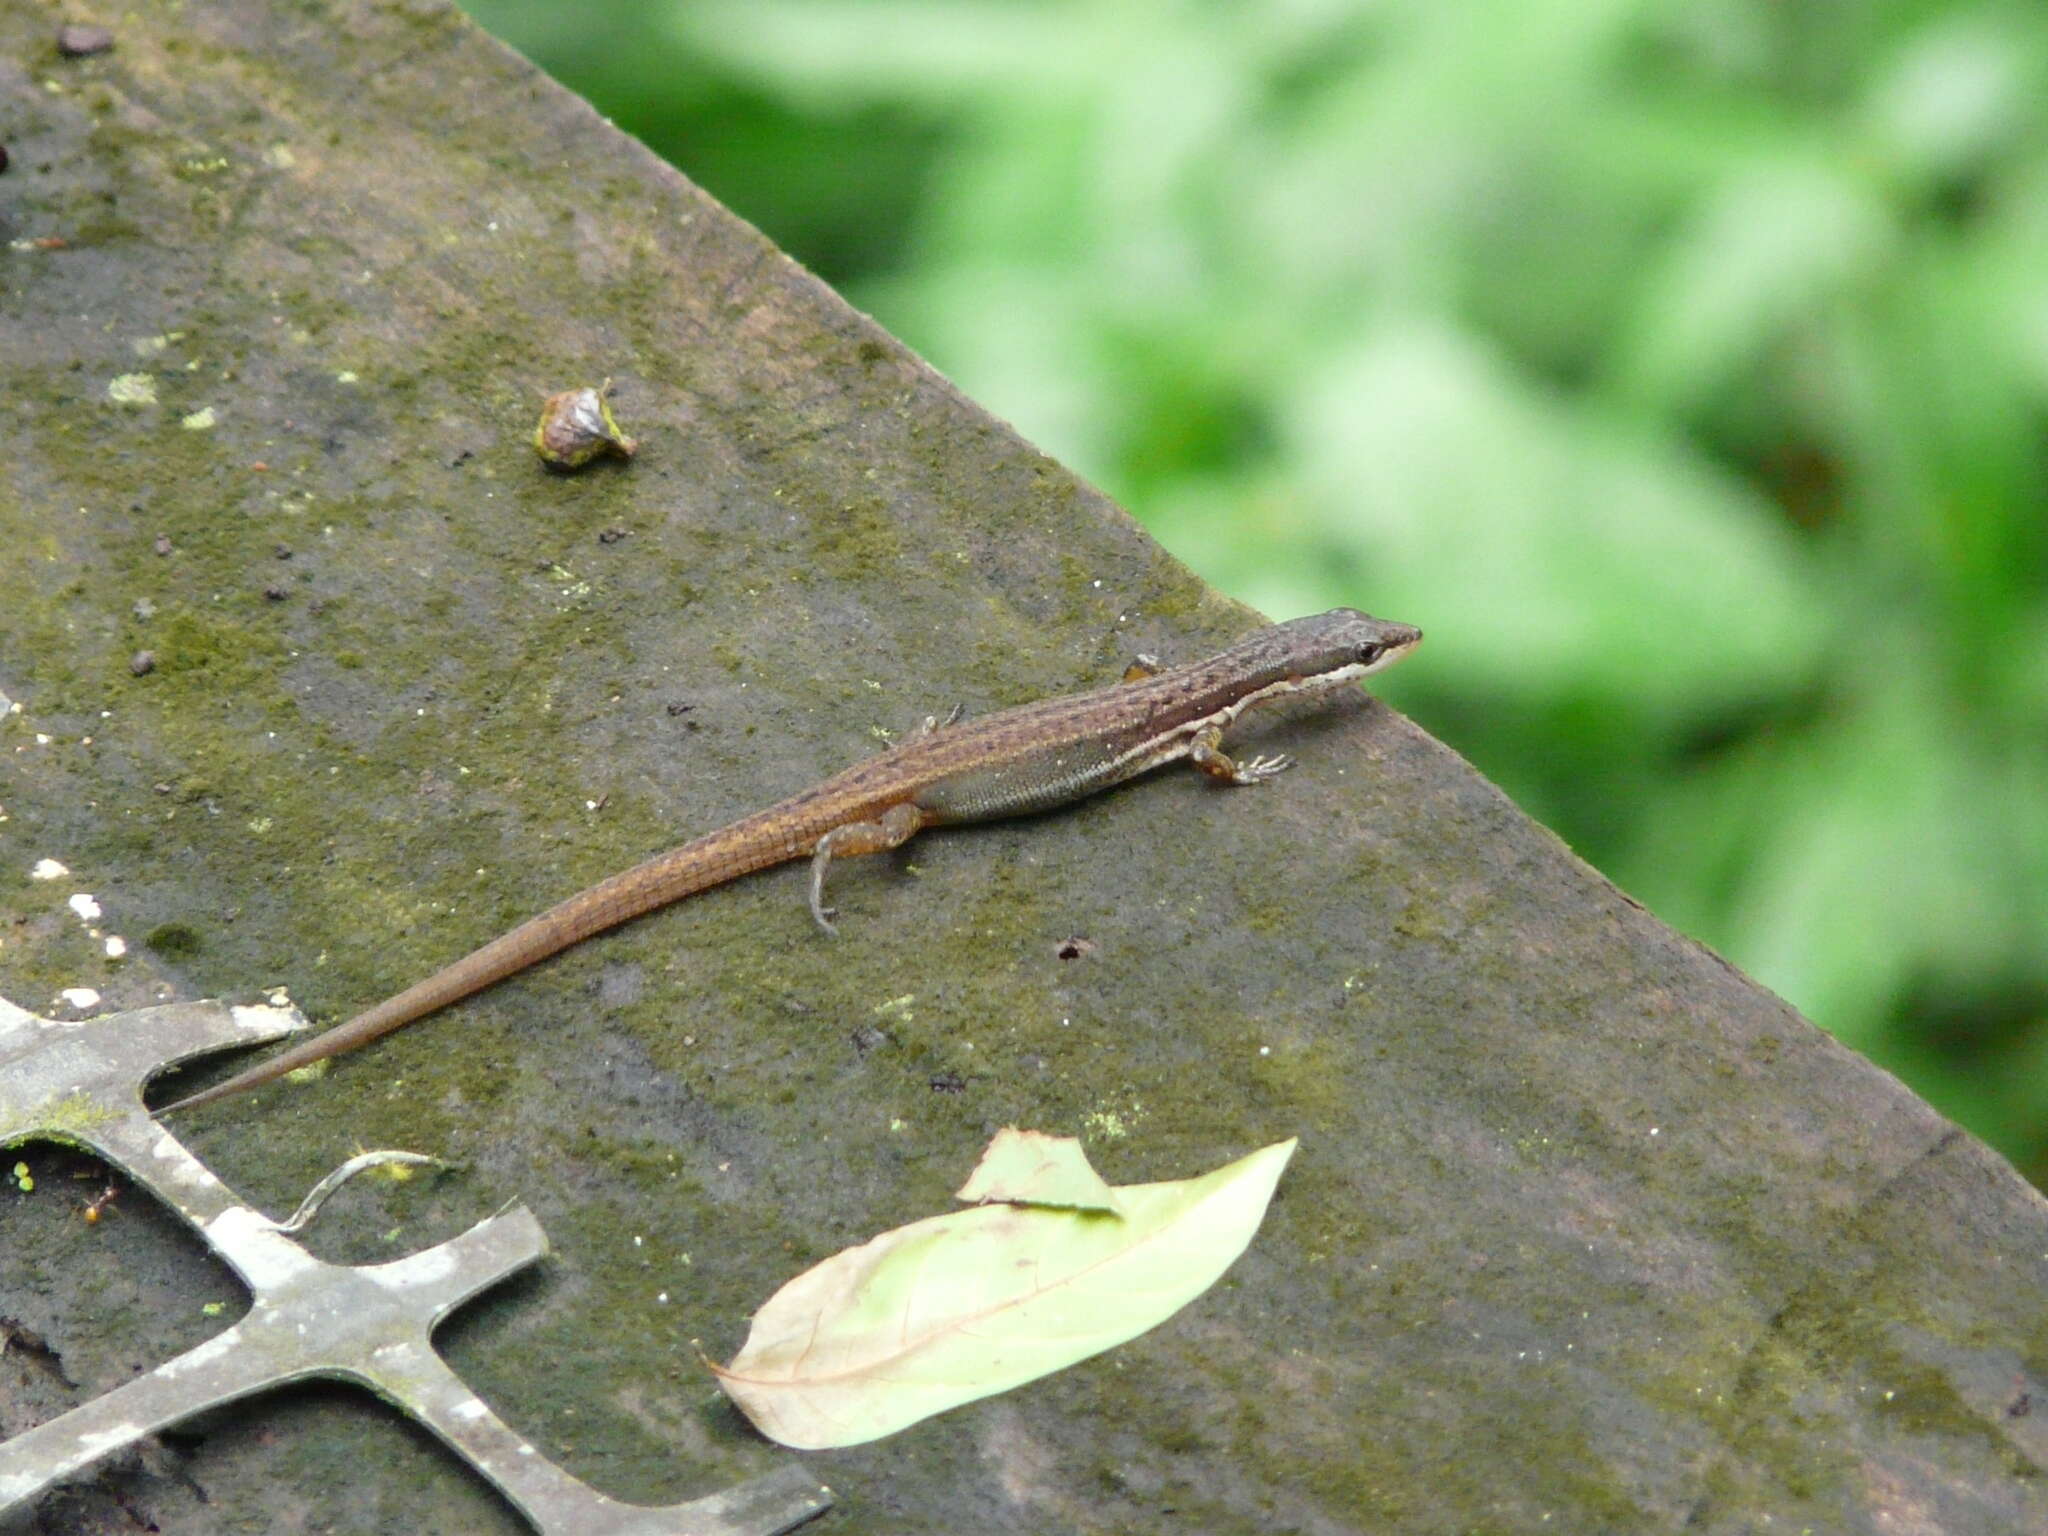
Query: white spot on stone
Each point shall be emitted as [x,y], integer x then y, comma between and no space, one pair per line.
[268,1018]
[202,420]
[132,389]
[470,1411]
[116,946]
[48,869]
[88,910]
[80,998]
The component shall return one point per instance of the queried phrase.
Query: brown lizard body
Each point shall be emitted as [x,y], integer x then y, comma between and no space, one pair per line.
[1030,758]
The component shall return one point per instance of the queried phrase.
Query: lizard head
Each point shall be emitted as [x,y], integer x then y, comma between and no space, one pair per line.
[1344,644]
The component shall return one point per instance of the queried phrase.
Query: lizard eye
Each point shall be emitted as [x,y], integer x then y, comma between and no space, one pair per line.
[1370,652]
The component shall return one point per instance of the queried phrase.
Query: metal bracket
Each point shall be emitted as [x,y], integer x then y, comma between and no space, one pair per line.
[370,1324]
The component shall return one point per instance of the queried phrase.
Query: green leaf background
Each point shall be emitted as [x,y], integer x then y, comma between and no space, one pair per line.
[1680,368]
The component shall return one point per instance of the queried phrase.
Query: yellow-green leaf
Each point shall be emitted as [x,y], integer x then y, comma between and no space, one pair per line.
[957,1307]
[1032,1168]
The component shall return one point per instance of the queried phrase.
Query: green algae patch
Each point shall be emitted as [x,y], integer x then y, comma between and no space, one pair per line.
[176,942]
[68,1120]
[226,652]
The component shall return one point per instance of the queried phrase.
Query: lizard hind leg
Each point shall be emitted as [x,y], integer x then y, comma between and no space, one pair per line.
[896,827]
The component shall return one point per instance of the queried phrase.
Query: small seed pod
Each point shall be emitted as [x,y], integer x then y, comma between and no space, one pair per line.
[577,426]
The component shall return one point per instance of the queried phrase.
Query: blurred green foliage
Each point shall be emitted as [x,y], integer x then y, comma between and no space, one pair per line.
[1681,368]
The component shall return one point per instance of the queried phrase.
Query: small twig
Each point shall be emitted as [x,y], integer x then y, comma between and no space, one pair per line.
[362,1162]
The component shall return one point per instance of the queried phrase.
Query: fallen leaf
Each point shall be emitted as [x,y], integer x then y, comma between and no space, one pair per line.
[1032,1168]
[962,1306]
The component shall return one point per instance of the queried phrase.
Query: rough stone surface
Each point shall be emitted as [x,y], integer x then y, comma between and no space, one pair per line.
[1587,1232]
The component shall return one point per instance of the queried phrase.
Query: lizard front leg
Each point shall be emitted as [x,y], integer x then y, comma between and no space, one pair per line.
[1208,755]
[898,825]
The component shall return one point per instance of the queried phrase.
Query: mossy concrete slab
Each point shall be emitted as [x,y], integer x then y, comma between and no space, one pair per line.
[1587,1232]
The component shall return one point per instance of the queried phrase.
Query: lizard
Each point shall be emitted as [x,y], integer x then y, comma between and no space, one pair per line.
[1016,761]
